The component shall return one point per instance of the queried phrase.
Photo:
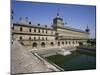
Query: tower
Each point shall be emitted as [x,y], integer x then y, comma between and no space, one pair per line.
[87,30]
[57,21]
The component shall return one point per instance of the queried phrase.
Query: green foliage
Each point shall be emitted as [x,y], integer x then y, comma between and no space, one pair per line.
[92,42]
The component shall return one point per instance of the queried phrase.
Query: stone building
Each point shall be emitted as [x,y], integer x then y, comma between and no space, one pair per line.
[37,36]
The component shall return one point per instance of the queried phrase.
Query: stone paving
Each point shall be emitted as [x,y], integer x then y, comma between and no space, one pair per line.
[23,61]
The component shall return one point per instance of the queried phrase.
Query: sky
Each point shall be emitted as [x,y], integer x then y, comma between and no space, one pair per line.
[76,16]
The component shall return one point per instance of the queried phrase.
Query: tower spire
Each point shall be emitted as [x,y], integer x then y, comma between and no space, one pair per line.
[87,29]
[58,12]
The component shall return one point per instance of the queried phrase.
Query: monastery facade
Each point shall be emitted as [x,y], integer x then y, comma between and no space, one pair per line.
[37,36]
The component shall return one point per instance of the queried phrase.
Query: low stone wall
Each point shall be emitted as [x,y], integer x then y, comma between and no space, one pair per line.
[86,48]
[50,65]
[53,51]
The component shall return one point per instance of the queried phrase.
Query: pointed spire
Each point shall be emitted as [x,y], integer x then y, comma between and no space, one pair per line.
[87,26]
[12,13]
[26,19]
[87,29]
[58,12]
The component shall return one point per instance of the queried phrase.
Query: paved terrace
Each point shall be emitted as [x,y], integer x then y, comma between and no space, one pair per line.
[23,61]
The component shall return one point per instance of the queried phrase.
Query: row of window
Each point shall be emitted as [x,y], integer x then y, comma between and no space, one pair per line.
[34,38]
[46,39]
[42,44]
[67,42]
[30,30]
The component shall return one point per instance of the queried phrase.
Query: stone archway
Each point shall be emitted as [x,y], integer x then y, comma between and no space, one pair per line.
[52,43]
[34,44]
[58,43]
[43,44]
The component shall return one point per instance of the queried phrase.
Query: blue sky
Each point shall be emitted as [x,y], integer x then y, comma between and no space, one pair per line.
[76,16]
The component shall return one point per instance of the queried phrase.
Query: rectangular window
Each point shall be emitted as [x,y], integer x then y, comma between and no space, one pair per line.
[39,31]
[21,29]
[42,31]
[34,30]
[30,30]
[46,38]
[38,38]
[20,38]
[66,42]
[46,31]
[34,38]
[62,42]
[58,43]
[29,38]
[42,38]
[69,42]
